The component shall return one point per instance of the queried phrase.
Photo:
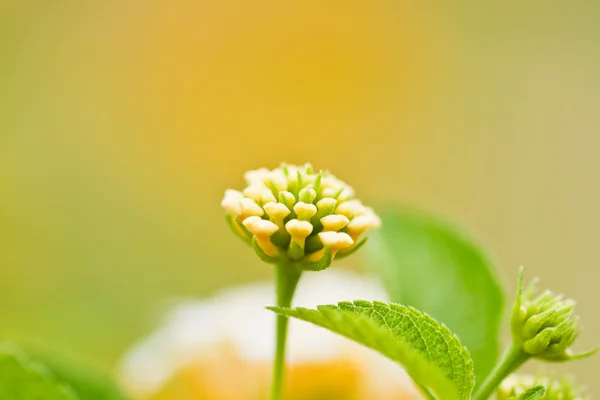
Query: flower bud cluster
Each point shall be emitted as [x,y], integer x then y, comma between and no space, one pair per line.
[294,214]
[545,325]
[556,389]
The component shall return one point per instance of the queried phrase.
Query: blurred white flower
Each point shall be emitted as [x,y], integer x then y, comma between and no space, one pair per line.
[234,326]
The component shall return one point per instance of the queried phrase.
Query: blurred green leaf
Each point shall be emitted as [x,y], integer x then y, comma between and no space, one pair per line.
[533,393]
[430,265]
[430,353]
[85,381]
[28,373]
[24,379]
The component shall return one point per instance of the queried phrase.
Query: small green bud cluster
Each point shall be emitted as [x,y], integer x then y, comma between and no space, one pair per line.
[556,389]
[296,215]
[544,325]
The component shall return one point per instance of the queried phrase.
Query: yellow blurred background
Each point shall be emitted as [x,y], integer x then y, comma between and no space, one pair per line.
[122,123]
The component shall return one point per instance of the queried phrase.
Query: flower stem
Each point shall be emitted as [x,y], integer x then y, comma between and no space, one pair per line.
[512,359]
[287,278]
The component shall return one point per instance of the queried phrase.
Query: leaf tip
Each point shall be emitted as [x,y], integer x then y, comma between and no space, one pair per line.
[584,354]
[278,310]
[520,281]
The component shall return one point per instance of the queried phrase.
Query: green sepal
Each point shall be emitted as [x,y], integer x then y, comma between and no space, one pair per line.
[295,251]
[272,188]
[517,315]
[262,255]
[239,229]
[345,253]
[299,184]
[316,220]
[307,195]
[313,243]
[565,357]
[320,265]
[317,184]
[281,238]
[288,199]
[285,169]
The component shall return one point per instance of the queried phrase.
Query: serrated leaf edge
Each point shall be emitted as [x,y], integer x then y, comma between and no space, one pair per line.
[425,368]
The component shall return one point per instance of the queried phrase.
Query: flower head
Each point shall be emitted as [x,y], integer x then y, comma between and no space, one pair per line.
[295,214]
[545,325]
[556,389]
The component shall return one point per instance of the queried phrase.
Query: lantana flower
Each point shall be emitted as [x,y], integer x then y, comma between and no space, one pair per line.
[296,215]
[300,220]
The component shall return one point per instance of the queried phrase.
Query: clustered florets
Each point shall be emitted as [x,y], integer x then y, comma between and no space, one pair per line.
[294,214]
[545,324]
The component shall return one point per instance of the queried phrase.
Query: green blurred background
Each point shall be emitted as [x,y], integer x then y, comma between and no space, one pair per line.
[122,123]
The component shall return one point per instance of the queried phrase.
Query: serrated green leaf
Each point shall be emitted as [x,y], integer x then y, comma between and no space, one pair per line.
[533,393]
[434,267]
[24,379]
[430,353]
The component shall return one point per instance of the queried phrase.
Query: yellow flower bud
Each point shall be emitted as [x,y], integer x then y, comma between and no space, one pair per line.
[250,209]
[335,241]
[262,231]
[259,194]
[361,224]
[231,202]
[351,208]
[277,212]
[299,231]
[305,211]
[334,222]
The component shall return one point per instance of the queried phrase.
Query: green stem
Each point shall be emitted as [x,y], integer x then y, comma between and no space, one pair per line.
[512,359]
[287,278]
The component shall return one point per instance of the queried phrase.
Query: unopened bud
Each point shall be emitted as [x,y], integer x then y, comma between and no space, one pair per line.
[298,215]
[545,325]
[262,231]
[299,231]
[334,222]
